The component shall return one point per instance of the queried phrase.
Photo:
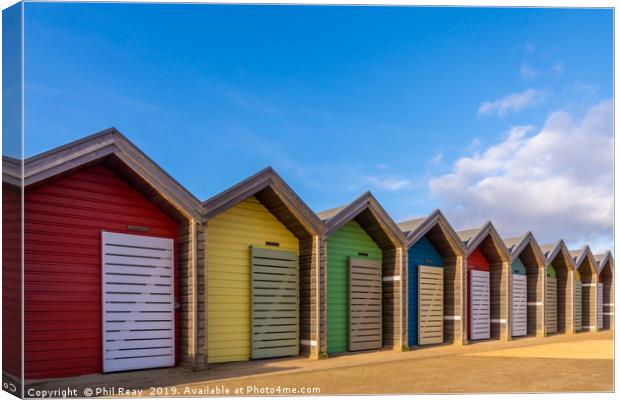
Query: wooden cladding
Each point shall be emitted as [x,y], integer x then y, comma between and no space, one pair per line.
[275,303]
[365,309]
[430,302]
[551,321]
[231,234]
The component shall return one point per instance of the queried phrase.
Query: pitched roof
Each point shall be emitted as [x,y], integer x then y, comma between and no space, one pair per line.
[584,255]
[267,178]
[547,248]
[551,251]
[468,234]
[516,246]
[328,214]
[511,243]
[335,218]
[473,237]
[603,259]
[416,229]
[98,146]
[410,225]
[11,170]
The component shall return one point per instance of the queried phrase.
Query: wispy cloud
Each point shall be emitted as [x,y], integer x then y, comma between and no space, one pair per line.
[528,72]
[529,47]
[437,158]
[390,183]
[511,103]
[474,144]
[557,69]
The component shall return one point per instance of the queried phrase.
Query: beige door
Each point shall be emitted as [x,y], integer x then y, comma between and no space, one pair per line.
[430,305]
[365,328]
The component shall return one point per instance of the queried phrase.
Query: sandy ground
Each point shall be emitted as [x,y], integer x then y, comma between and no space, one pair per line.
[578,363]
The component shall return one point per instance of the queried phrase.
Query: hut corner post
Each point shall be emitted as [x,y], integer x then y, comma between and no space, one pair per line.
[404,293]
[322,298]
[318,341]
[192,262]
[202,266]
[570,299]
[541,329]
[506,302]
[460,327]
[594,305]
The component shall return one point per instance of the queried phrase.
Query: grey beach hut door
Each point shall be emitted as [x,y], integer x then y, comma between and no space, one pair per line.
[275,303]
[578,306]
[365,330]
[552,305]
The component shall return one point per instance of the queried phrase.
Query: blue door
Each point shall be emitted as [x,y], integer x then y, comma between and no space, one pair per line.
[421,253]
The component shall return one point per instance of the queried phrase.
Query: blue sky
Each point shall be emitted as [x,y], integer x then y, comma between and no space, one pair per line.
[338,99]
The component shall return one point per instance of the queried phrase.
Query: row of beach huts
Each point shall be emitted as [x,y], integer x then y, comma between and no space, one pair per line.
[125,269]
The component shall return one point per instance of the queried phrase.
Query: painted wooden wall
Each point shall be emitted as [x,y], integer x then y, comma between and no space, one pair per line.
[518,267]
[63,223]
[421,253]
[477,261]
[11,280]
[348,241]
[231,234]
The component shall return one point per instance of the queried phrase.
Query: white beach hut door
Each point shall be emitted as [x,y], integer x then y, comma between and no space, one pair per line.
[138,302]
[519,305]
[480,307]
[599,305]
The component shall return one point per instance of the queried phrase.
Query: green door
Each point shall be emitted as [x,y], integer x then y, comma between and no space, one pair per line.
[350,241]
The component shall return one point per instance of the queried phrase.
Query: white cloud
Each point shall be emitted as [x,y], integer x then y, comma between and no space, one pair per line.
[528,72]
[512,102]
[557,69]
[437,158]
[474,144]
[390,183]
[529,47]
[556,181]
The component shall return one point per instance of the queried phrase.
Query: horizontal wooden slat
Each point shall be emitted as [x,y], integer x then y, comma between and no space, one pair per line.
[136,261]
[137,344]
[153,279]
[129,335]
